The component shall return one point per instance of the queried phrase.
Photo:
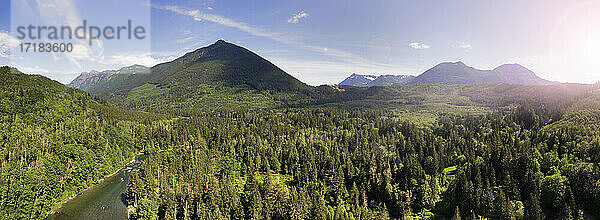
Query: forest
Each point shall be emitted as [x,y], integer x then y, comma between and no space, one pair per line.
[340,164]
[511,152]
[57,141]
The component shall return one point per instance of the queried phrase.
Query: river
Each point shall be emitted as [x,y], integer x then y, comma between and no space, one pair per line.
[105,200]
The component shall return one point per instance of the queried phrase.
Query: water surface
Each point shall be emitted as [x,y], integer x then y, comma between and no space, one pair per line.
[103,201]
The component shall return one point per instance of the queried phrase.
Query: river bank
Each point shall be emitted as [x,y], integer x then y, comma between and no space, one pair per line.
[104,200]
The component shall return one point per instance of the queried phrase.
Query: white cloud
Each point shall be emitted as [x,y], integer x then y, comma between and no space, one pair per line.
[145,59]
[80,52]
[32,70]
[180,41]
[348,59]
[65,13]
[418,46]
[463,45]
[198,16]
[209,8]
[7,42]
[46,5]
[296,18]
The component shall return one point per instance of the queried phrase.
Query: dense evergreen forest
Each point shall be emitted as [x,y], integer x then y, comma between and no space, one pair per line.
[486,151]
[57,141]
[339,164]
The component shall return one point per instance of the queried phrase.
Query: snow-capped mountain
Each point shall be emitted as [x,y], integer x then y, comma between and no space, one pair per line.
[372,80]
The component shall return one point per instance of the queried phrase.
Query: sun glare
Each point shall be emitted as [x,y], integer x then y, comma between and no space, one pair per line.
[575,44]
[591,46]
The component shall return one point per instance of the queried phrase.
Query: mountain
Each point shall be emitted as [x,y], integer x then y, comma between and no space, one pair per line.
[221,75]
[517,74]
[459,73]
[372,80]
[358,80]
[391,80]
[90,81]
[86,80]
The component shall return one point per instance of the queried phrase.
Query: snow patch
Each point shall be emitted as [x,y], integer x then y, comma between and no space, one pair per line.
[371,78]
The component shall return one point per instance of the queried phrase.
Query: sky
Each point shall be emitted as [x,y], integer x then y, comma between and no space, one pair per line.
[320,42]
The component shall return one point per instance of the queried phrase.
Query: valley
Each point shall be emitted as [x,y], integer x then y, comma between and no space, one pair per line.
[229,135]
[277,110]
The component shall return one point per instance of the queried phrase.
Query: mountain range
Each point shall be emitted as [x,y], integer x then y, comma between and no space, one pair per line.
[453,73]
[459,73]
[224,75]
[232,66]
[372,80]
[95,80]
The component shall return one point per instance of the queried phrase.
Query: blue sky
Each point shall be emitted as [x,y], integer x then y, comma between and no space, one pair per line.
[322,42]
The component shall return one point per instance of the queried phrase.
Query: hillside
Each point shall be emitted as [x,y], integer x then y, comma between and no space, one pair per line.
[517,74]
[55,142]
[459,73]
[222,75]
[425,102]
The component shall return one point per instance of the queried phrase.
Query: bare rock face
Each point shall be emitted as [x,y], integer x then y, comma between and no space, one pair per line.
[87,81]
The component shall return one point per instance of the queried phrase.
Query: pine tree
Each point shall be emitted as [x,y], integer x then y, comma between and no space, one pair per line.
[456,215]
[533,210]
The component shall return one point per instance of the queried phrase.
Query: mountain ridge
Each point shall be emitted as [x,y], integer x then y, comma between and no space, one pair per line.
[460,73]
[360,80]
[225,75]
[90,81]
